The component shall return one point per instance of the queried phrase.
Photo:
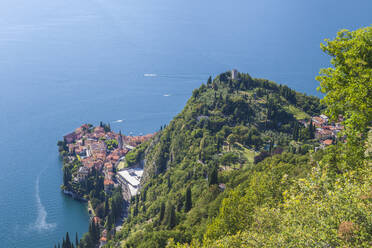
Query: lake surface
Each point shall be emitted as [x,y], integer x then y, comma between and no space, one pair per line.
[65,63]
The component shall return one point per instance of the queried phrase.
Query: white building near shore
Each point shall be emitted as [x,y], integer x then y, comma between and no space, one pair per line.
[130,180]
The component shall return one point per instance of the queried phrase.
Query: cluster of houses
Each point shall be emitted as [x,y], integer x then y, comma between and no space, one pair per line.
[326,131]
[89,145]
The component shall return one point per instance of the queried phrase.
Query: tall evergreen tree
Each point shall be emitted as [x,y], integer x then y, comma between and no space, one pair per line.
[162,210]
[66,176]
[68,242]
[209,82]
[76,240]
[170,216]
[311,129]
[169,183]
[213,176]
[188,200]
[107,206]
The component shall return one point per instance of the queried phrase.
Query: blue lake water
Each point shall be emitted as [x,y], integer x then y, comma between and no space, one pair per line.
[64,63]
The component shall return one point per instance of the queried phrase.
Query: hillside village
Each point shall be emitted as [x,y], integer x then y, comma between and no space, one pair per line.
[102,149]
[326,131]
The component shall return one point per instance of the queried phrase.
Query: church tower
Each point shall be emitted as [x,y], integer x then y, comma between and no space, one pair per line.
[120,141]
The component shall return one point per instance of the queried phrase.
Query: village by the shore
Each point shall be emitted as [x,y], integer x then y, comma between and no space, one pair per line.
[100,149]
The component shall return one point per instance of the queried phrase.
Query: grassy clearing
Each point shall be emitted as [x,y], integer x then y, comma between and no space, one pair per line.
[297,113]
[248,153]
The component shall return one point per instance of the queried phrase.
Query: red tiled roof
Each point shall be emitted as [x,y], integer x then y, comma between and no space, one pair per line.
[327,142]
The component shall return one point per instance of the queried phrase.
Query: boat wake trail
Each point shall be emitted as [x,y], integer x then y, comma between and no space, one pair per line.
[41,223]
[150,75]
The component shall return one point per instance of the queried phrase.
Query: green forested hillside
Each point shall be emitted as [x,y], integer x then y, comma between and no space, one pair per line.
[213,141]
[236,169]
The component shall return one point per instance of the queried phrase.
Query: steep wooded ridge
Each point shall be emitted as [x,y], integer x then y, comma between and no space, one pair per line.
[242,166]
[253,112]
[212,147]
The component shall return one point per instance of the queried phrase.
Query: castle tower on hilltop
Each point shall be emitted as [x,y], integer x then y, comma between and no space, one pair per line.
[234,74]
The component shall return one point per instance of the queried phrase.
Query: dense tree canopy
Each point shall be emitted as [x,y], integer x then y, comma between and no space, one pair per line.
[348,84]
[324,199]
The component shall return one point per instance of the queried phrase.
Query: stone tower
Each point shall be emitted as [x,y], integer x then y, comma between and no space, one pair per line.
[120,141]
[234,74]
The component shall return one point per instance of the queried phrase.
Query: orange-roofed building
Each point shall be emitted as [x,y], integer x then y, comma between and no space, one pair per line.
[88,163]
[327,142]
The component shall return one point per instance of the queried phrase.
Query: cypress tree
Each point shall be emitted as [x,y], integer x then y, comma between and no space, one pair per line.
[311,129]
[213,177]
[76,240]
[295,131]
[66,176]
[170,216]
[107,207]
[162,210]
[188,200]
[169,183]
[97,232]
[91,231]
[68,242]
[135,212]
[209,80]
